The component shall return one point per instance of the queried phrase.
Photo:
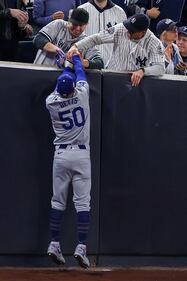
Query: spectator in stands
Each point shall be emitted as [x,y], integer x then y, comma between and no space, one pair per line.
[13,27]
[59,35]
[136,49]
[182,45]
[131,8]
[167,32]
[45,11]
[157,10]
[103,14]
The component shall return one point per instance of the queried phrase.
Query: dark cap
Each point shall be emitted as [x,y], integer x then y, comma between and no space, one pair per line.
[79,16]
[165,25]
[182,30]
[136,23]
[65,85]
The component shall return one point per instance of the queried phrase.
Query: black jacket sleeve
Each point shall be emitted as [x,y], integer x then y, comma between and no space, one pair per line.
[40,40]
[96,63]
[5,14]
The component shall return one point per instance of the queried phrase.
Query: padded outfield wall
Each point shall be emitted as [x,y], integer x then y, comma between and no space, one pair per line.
[139,161]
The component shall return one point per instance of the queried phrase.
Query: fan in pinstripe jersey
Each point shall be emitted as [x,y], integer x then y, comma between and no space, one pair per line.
[135,48]
[103,14]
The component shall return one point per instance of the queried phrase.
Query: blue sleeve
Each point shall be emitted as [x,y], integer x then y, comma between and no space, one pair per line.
[79,70]
[5,13]
[39,13]
[68,70]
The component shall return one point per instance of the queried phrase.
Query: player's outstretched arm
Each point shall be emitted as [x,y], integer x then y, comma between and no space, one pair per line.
[79,69]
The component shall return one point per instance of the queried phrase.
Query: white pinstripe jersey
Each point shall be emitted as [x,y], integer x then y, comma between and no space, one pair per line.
[58,33]
[100,20]
[127,55]
[71,116]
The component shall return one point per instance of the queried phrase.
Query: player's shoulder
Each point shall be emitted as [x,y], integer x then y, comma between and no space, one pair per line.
[82,87]
[82,83]
[153,43]
[57,22]
[54,26]
[116,31]
[60,23]
[51,94]
[150,36]
[120,29]
[50,98]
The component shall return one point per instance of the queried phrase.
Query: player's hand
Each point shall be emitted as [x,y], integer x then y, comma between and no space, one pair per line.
[73,50]
[58,15]
[85,63]
[153,13]
[21,16]
[136,77]
[60,57]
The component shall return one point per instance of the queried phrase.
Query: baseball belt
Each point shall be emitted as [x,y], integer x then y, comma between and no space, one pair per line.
[64,146]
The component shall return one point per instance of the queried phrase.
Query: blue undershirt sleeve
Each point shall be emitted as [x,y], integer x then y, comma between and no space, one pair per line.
[79,70]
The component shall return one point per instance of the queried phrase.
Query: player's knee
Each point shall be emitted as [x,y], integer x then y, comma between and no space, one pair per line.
[58,205]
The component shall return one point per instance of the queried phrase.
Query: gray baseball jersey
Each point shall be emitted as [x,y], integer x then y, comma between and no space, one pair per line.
[100,20]
[71,116]
[71,123]
[57,33]
[128,55]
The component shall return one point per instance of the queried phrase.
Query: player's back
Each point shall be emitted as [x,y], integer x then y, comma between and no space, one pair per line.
[70,116]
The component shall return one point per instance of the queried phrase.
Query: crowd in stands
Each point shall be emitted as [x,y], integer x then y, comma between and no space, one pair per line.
[50,28]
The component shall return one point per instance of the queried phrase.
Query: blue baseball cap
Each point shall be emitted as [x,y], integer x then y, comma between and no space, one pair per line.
[65,85]
[182,30]
[165,25]
[137,23]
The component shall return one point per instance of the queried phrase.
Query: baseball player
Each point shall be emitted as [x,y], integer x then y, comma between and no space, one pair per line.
[69,109]
[136,49]
[103,14]
[60,35]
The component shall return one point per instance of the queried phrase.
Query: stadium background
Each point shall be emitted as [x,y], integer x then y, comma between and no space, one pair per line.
[139,155]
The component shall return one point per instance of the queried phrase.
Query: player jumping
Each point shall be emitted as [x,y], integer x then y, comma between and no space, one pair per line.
[69,109]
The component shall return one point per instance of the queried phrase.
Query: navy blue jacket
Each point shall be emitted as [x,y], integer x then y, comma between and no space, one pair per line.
[184,14]
[168,9]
